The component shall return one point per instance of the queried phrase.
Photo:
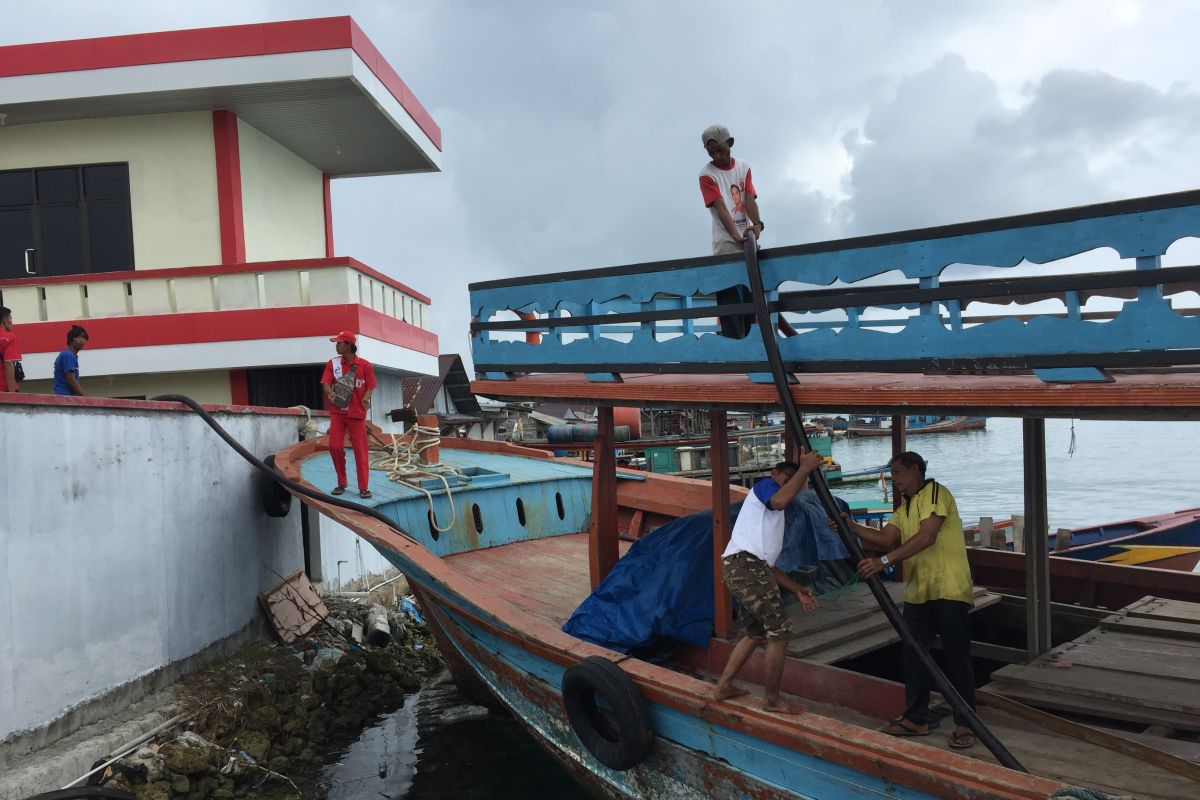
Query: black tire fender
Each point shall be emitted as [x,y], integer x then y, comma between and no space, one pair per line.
[275,500]
[619,733]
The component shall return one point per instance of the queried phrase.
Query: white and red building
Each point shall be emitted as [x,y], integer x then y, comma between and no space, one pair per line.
[170,192]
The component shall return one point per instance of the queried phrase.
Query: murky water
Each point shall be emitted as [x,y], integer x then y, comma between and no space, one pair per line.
[440,746]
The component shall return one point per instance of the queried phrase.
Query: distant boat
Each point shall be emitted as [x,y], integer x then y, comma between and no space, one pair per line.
[881,426]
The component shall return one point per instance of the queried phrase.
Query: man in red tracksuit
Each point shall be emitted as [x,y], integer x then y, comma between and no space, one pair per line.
[353,418]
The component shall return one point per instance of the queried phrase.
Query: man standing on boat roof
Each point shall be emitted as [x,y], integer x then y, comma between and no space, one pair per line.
[748,565]
[927,534]
[727,187]
[351,418]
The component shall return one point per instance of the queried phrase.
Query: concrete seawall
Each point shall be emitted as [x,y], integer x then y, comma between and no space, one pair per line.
[131,540]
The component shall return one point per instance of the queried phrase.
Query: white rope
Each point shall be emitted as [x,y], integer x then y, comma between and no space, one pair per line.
[401,460]
[308,427]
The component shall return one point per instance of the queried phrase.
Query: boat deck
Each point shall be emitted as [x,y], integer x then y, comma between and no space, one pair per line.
[1138,666]
[549,579]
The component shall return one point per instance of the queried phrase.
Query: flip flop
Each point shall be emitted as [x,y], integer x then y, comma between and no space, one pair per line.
[339,490]
[364,493]
[962,741]
[897,728]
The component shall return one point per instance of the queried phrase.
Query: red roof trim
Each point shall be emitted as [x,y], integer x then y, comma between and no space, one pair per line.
[25,399]
[204,327]
[199,44]
[218,269]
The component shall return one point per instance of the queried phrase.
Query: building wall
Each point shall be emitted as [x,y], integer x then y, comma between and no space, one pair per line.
[131,539]
[203,387]
[172,176]
[283,201]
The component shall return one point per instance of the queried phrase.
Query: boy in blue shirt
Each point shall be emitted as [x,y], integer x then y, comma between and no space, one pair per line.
[66,366]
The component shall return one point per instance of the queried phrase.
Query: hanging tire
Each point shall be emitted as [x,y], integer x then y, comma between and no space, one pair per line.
[617,734]
[276,501]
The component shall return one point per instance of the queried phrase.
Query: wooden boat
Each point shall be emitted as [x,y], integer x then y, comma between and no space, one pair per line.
[532,538]
[917,424]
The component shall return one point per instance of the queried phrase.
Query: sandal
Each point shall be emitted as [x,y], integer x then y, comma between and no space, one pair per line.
[339,490]
[364,493]
[897,727]
[962,741]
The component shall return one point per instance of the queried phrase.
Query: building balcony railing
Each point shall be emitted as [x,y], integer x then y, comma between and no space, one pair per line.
[186,290]
[929,300]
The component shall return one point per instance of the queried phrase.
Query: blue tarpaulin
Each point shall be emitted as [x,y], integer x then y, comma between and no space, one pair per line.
[663,587]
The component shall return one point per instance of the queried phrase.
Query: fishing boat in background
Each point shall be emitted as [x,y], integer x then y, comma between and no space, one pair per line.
[532,538]
[875,425]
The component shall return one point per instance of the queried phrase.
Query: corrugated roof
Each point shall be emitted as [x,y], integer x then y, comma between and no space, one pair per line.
[421,393]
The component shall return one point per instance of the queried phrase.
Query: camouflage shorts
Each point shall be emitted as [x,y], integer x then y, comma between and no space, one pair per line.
[759,602]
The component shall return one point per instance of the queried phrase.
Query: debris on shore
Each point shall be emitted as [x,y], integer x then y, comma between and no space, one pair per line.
[263,723]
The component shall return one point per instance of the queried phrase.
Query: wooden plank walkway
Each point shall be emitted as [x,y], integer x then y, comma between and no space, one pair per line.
[1139,665]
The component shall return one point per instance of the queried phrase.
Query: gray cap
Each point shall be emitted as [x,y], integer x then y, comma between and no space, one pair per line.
[718,132]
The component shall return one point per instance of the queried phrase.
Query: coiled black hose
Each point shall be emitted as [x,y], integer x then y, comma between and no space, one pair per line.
[875,583]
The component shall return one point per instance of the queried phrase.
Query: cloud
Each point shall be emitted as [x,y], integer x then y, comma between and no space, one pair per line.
[944,148]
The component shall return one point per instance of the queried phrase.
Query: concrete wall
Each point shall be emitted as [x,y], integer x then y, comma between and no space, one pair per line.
[283,200]
[130,539]
[172,176]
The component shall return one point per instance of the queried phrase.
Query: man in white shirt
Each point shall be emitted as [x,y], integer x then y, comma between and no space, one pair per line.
[727,187]
[748,564]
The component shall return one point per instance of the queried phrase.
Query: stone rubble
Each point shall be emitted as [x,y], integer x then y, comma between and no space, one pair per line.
[266,721]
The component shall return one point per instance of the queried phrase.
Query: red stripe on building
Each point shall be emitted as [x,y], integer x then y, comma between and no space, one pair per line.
[231,41]
[239,387]
[219,269]
[232,326]
[229,187]
[328,215]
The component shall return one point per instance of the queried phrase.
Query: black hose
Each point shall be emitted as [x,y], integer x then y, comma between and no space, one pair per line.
[299,488]
[875,583]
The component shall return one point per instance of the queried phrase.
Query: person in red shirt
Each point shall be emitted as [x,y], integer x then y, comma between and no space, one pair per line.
[353,418]
[10,353]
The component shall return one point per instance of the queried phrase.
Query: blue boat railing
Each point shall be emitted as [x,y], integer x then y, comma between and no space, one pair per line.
[694,315]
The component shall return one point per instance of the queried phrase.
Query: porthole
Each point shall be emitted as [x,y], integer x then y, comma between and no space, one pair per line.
[478,517]
[521,512]
[562,511]
[433,531]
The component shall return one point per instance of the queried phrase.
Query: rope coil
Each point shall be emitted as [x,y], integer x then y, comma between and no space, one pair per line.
[401,461]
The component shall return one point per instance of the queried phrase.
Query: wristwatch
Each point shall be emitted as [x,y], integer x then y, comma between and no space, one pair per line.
[883,559]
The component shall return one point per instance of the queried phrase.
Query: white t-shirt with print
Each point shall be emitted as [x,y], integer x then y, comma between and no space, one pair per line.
[730,186]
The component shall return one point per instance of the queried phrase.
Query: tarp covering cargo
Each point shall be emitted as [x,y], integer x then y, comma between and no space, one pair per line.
[663,587]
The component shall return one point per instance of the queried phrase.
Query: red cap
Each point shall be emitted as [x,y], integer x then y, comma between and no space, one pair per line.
[345,336]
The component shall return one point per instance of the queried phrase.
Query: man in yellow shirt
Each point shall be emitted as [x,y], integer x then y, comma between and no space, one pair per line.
[926,534]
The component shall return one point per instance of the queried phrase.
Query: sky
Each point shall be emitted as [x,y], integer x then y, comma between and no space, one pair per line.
[571,130]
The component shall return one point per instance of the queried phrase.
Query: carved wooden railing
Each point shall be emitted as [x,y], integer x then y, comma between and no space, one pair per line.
[692,316]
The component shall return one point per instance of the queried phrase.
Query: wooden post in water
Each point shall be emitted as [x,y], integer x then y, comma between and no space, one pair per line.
[602,535]
[718,463]
[1062,539]
[1036,538]
[899,445]
[983,537]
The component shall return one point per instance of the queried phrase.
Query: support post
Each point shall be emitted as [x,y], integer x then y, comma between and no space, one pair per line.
[1036,540]
[791,442]
[899,445]
[718,463]
[602,538]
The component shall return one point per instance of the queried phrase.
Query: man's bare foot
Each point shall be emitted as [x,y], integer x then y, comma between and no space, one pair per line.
[726,694]
[781,706]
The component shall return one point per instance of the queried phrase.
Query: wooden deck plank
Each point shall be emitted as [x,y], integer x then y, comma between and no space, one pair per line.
[1093,707]
[1164,609]
[1150,691]
[1181,667]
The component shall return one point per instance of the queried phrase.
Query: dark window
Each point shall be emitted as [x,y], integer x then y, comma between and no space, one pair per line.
[281,387]
[73,220]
